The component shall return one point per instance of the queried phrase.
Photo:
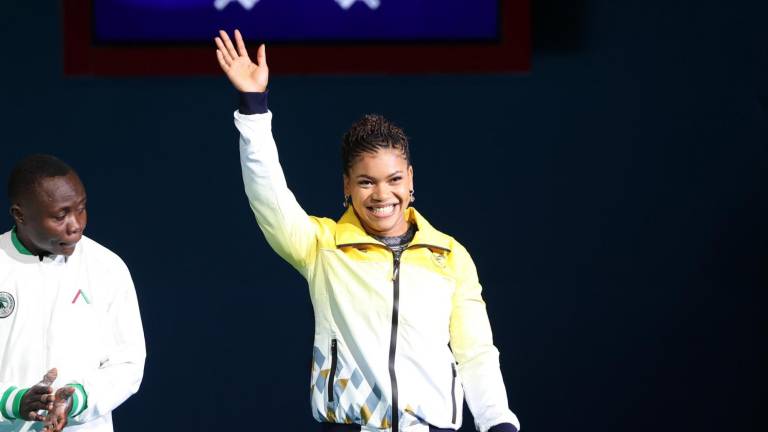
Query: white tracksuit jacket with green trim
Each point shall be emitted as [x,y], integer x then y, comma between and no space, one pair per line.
[362,298]
[79,315]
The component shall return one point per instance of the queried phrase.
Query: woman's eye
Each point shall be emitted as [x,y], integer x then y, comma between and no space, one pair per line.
[60,217]
[396,179]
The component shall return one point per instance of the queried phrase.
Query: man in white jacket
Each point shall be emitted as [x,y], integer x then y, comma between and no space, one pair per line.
[68,310]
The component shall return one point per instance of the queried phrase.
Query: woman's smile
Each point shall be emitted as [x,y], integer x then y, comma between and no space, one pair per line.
[384,211]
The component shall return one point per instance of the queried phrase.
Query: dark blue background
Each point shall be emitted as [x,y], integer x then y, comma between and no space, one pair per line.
[613,199]
[295,20]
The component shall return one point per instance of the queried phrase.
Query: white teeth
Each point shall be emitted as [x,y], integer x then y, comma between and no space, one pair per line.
[382,211]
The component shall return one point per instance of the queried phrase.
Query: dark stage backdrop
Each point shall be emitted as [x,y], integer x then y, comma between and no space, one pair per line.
[611,199]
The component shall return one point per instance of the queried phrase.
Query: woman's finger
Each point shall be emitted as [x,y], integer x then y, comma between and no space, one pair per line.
[222,63]
[228,43]
[224,52]
[261,55]
[240,44]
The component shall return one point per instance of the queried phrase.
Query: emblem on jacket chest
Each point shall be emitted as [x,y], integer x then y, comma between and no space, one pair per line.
[439,259]
[7,304]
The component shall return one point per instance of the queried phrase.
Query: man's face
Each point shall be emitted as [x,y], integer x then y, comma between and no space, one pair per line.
[51,217]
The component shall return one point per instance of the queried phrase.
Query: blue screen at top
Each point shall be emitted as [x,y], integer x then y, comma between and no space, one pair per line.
[296,20]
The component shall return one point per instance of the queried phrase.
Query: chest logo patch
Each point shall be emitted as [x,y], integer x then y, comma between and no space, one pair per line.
[439,259]
[7,304]
[81,295]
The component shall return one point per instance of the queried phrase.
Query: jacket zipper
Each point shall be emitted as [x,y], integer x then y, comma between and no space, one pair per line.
[393,333]
[332,372]
[393,337]
[453,392]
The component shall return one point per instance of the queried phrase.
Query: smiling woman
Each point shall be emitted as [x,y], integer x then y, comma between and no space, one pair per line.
[401,330]
[378,175]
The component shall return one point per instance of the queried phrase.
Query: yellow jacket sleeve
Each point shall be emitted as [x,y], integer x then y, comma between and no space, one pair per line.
[472,345]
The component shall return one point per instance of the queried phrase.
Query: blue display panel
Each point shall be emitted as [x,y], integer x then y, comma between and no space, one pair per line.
[147,21]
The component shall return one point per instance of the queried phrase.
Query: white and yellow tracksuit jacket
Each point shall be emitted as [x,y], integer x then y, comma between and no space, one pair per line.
[78,314]
[382,328]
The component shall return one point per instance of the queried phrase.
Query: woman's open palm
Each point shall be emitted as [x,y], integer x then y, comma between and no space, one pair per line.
[244,74]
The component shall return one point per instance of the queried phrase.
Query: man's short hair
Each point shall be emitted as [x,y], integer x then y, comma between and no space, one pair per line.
[28,172]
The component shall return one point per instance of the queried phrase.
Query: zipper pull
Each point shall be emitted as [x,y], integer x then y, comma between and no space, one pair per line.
[396,269]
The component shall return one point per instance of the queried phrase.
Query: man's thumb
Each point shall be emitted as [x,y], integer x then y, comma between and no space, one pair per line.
[50,377]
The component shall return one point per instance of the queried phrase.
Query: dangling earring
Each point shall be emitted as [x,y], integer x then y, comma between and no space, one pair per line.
[413,198]
[346,201]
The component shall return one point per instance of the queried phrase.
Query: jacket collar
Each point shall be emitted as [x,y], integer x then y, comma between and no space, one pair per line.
[17,243]
[350,232]
[19,247]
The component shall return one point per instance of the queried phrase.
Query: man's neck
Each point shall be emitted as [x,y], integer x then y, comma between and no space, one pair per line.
[23,239]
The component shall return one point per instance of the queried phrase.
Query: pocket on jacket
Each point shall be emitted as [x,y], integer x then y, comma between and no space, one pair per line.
[332,371]
[453,392]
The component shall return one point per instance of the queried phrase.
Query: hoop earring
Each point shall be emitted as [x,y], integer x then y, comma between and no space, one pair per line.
[413,198]
[346,201]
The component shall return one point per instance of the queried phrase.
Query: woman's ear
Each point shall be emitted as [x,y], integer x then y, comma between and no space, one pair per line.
[347,186]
